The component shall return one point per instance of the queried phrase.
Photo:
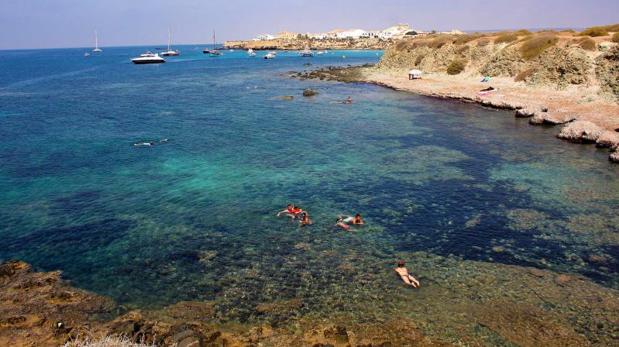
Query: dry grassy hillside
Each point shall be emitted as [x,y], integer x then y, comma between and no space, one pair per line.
[559,59]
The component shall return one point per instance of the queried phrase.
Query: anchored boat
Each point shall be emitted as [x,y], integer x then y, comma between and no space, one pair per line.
[148,58]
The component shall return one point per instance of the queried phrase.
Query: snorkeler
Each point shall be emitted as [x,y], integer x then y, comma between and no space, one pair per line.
[340,223]
[291,211]
[356,220]
[144,144]
[305,220]
[405,276]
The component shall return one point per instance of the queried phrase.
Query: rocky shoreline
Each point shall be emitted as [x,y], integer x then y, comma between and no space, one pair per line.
[588,123]
[300,44]
[463,302]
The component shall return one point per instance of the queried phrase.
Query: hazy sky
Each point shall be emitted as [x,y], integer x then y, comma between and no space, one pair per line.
[70,23]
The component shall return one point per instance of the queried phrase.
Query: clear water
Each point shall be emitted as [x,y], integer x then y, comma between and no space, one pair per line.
[194,219]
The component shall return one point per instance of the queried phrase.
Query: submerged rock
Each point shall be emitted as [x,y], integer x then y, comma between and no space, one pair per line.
[309,92]
[580,131]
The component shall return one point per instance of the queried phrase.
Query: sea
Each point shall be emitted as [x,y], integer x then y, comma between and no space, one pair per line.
[193,215]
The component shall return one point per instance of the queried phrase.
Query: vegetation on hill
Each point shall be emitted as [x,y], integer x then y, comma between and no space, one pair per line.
[535,45]
[552,58]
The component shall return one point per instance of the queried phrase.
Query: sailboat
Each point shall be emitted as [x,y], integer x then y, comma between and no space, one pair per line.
[170,52]
[212,52]
[97,49]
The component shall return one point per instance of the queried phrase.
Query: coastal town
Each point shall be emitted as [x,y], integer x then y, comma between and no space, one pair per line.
[334,39]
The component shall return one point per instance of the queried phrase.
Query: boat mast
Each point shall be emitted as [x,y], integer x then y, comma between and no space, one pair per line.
[169,38]
[213,39]
[96,40]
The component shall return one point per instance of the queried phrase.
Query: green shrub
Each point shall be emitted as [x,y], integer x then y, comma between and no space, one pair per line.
[524,75]
[456,67]
[506,38]
[616,37]
[483,43]
[463,49]
[463,39]
[595,31]
[534,46]
[440,41]
[419,59]
[613,27]
[587,44]
[523,32]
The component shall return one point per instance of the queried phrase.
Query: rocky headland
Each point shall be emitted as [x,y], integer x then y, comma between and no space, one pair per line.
[549,77]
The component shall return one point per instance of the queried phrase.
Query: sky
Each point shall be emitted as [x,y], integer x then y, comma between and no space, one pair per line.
[71,23]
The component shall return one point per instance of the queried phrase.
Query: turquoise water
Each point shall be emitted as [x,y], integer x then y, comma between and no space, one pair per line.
[194,218]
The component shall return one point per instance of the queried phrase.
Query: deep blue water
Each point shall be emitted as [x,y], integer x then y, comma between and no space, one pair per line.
[194,218]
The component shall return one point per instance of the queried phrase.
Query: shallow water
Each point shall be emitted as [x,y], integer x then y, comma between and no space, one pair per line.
[194,218]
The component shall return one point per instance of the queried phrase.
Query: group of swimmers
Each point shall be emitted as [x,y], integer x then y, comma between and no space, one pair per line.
[344,222]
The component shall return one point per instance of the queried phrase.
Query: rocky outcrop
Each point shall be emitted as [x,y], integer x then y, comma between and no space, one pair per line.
[607,71]
[40,309]
[551,118]
[581,132]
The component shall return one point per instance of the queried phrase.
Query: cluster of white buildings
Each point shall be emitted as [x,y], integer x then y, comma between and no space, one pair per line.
[394,32]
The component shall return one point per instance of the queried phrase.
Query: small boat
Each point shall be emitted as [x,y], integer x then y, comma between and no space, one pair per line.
[148,58]
[270,55]
[170,52]
[212,52]
[251,53]
[87,54]
[307,53]
[97,49]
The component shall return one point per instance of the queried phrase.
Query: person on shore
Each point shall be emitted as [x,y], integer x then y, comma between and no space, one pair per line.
[305,220]
[405,276]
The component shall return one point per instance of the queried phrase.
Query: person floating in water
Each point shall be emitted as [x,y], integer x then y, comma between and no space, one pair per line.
[305,220]
[144,144]
[291,211]
[405,276]
[347,101]
[345,222]
[341,224]
[356,220]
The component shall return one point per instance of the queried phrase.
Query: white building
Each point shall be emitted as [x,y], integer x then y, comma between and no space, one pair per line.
[352,34]
[394,32]
[264,37]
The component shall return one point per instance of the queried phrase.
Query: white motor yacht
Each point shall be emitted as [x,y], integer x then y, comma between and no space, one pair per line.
[148,58]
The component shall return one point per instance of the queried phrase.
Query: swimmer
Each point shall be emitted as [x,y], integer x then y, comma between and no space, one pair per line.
[305,220]
[341,224]
[291,211]
[144,144]
[347,101]
[405,276]
[356,220]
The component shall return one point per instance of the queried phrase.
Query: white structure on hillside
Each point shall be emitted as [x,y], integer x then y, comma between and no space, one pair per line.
[394,32]
[264,37]
[318,36]
[453,32]
[352,34]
